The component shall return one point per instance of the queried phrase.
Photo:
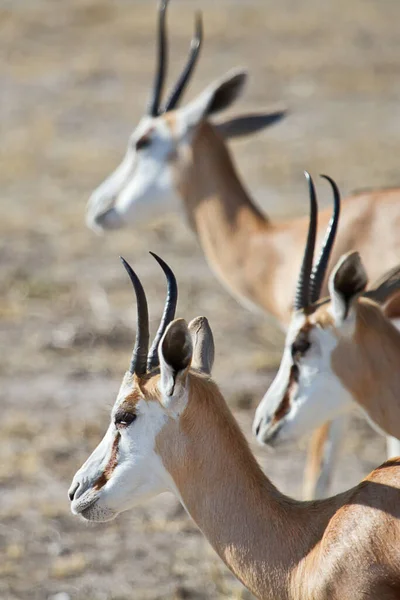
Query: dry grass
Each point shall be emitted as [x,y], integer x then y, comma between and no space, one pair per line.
[74,80]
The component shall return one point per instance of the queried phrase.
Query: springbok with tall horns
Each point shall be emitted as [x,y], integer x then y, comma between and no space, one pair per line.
[339,351]
[171,430]
[176,158]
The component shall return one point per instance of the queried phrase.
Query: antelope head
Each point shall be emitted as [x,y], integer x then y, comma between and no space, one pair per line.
[330,342]
[145,183]
[306,390]
[128,465]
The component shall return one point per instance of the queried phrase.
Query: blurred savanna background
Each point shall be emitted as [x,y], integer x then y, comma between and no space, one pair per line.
[75,79]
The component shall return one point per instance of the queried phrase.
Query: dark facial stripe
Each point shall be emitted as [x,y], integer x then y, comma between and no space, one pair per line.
[301,343]
[112,463]
[284,406]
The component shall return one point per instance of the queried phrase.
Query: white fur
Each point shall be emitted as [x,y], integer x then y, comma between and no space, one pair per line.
[139,473]
[142,187]
[392,447]
[318,397]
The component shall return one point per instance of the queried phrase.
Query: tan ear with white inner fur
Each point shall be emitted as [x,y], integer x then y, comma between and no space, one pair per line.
[203,345]
[175,354]
[347,282]
[216,97]
[249,124]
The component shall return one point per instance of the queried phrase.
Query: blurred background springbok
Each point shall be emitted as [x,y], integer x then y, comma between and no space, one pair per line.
[75,80]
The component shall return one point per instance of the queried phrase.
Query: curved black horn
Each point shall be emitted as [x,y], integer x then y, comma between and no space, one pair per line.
[168,314]
[319,271]
[302,296]
[186,74]
[161,70]
[139,354]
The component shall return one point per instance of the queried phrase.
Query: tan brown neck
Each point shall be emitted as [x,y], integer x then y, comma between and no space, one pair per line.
[369,366]
[259,533]
[225,220]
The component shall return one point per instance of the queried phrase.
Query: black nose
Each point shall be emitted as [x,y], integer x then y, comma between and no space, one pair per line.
[258,428]
[72,491]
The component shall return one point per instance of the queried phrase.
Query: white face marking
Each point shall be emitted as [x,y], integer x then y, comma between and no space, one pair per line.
[316,396]
[139,472]
[142,187]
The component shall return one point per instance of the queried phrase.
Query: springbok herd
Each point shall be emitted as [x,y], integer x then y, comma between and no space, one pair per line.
[170,428]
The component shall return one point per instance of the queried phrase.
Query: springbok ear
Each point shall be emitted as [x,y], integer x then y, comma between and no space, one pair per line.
[216,97]
[347,281]
[248,124]
[175,354]
[203,345]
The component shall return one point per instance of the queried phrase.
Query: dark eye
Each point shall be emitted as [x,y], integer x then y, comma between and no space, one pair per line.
[300,346]
[124,418]
[143,142]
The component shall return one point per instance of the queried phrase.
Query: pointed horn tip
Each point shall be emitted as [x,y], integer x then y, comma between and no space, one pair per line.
[333,184]
[124,262]
[311,185]
[129,270]
[327,177]
[165,267]
[160,261]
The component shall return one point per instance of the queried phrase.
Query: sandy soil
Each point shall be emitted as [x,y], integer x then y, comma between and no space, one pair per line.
[74,81]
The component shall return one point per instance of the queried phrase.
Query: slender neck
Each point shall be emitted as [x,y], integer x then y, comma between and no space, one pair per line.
[368,365]
[260,534]
[210,182]
[223,216]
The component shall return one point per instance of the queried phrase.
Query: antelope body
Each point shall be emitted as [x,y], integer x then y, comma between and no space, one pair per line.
[339,352]
[177,160]
[171,430]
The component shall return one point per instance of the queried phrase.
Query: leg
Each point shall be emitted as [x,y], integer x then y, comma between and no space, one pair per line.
[322,456]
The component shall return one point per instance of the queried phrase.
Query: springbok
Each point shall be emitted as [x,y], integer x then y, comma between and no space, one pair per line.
[341,350]
[171,430]
[177,153]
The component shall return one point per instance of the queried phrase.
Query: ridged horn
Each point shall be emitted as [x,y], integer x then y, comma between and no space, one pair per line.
[319,271]
[161,69]
[187,72]
[168,314]
[302,295]
[140,350]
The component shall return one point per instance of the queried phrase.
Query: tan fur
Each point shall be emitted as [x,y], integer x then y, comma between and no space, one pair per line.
[133,398]
[315,460]
[257,260]
[343,548]
[367,364]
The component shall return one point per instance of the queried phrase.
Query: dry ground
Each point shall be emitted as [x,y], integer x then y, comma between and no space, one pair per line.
[74,79]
